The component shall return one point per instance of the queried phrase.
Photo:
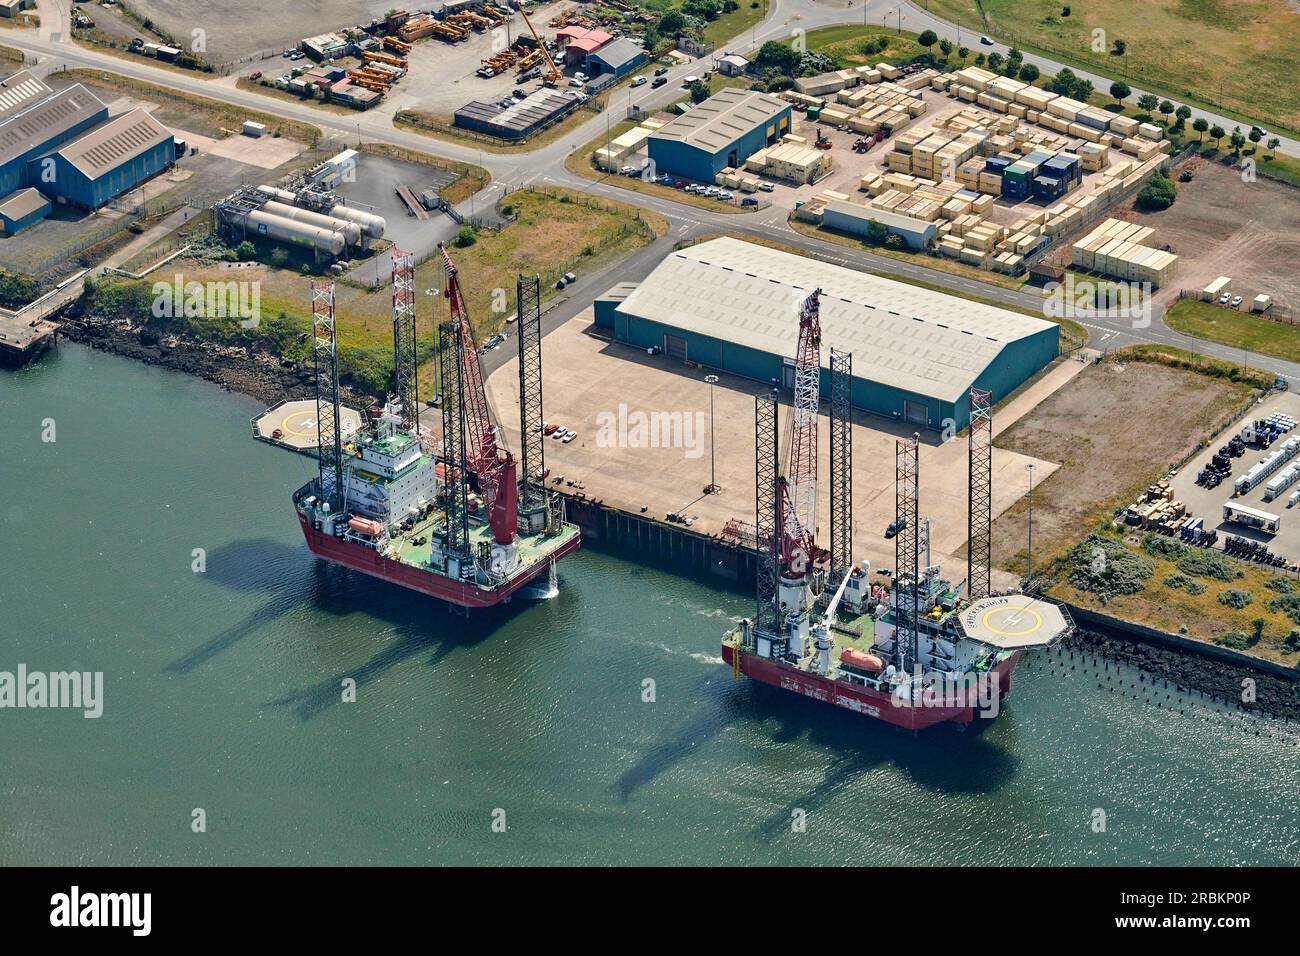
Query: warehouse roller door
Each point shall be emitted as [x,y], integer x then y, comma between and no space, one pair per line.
[675,347]
[916,412]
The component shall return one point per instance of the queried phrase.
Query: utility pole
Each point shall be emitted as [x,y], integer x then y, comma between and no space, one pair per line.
[1029,580]
[713,488]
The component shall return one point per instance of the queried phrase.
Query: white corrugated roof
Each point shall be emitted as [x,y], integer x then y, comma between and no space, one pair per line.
[901,335]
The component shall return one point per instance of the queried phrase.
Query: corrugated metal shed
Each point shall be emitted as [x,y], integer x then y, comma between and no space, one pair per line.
[722,118]
[902,336]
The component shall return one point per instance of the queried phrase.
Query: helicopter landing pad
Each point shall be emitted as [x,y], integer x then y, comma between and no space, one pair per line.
[1013,621]
[292,425]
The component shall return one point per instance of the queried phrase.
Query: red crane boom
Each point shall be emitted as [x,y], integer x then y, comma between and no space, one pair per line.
[493,465]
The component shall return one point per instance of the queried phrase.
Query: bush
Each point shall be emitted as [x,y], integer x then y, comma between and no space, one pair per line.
[1158,194]
[1207,564]
[1181,582]
[245,250]
[1288,604]
[1104,567]
[466,236]
[17,290]
[1236,640]
[1163,547]
[1291,643]
[895,242]
[1280,585]
[1236,598]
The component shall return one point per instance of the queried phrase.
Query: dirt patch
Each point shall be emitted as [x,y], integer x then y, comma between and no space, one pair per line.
[1114,428]
[1221,226]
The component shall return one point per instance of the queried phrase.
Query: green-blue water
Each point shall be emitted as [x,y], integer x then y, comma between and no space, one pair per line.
[223,692]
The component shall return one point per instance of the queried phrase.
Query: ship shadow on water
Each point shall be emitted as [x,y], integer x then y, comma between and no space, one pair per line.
[413,624]
[942,759]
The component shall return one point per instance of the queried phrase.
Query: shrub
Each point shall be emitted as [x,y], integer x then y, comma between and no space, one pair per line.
[466,236]
[1288,604]
[1280,585]
[1235,640]
[1158,194]
[1207,564]
[245,250]
[1291,643]
[1163,547]
[1184,583]
[1104,567]
[1235,598]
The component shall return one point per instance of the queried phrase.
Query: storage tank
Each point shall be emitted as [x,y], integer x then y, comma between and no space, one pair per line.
[286,230]
[349,230]
[372,226]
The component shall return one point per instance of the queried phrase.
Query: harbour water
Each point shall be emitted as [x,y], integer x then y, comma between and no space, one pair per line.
[224,687]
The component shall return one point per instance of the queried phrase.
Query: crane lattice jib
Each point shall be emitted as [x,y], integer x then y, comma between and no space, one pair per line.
[405,356]
[801,469]
[486,458]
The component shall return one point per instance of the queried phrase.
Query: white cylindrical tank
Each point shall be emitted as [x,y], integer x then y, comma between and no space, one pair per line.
[349,230]
[286,230]
[372,226]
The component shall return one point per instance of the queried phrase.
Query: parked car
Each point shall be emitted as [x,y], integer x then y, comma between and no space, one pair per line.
[569,437]
[519,94]
[629,171]
[551,428]
[661,71]
[493,342]
[255,75]
[575,82]
[749,201]
[1225,298]
[1236,301]
[659,81]
[639,81]
[560,432]
[725,196]
[766,187]
[570,278]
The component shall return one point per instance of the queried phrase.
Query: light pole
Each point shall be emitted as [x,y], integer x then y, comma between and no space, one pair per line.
[713,488]
[1029,579]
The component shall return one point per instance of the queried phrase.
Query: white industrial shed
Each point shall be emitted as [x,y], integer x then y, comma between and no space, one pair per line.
[733,305]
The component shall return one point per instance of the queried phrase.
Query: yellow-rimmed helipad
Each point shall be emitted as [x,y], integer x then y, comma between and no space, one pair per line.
[1013,621]
[293,425]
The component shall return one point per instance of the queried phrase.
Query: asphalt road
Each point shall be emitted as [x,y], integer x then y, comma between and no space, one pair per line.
[546,164]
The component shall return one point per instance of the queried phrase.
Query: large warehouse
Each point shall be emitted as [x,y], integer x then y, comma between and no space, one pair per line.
[65,146]
[724,130]
[733,306]
[536,111]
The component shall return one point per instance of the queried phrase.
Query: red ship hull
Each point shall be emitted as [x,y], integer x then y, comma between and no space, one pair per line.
[371,562]
[864,700]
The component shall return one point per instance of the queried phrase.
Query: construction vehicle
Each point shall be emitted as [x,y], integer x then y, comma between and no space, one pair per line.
[822,142]
[551,75]
[864,143]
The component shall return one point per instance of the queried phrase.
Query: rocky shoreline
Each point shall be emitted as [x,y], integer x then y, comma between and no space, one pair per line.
[249,371]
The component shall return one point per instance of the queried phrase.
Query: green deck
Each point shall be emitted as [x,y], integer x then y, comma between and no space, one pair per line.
[533,548]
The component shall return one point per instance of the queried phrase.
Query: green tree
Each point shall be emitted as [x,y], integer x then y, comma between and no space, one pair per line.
[1029,73]
[1119,48]
[1158,194]
[1166,109]
[1217,133]
[1273,144]
[1201,124]
[1083,90]
[1184,113]
[777,56]
[877,233]
[945,47]
[1148,102]
[1238,140]
[995,62]
[1255,135]
[928,38]
[979,59]
[245,250]
[673,23]
[1120,91]
[699,91]
[963,51]
[466,236]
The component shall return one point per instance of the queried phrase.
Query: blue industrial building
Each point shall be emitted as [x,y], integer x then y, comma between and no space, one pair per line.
[21,209]
[618,57]
[723,131]
[733,306]
[65,146]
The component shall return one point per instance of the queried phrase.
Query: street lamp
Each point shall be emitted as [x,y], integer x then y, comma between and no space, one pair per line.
[1029,579]
[713,488]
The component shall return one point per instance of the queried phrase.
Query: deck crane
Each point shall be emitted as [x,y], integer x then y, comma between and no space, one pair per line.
[551,75]
[798,495]
[486,457]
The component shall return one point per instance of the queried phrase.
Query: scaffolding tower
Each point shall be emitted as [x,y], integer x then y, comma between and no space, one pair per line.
[907,550]
[329,447]
[979,532]
[841,377]
[532,442]
[767,511]
[455,466]
[405,357]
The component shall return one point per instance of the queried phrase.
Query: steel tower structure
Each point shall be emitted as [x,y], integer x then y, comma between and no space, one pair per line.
[767,513]
[841,378]
[532,442]
[329,448]
[907,549]
[454,461]
[799,521]
[405,356]
[979,533]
